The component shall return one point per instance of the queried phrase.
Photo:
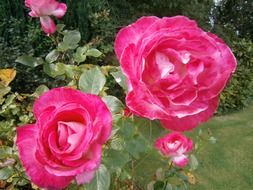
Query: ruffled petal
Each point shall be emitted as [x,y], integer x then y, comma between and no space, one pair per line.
[85,177]
[47,24]
[132,33]
[60,10]
[26,137]
[191,121]
[180,161]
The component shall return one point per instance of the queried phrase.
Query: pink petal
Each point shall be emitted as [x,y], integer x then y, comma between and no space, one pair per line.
[180,161]
[60,10]
[33,14]
[191,121]
[85,177]
[47,25]
[132,33]
[26,137]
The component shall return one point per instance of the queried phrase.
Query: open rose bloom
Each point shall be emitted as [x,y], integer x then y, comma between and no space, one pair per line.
[175,70]
[66,141]
[44,9]
[176,146]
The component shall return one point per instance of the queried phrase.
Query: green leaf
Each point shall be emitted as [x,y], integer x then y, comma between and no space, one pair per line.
[101,181]
[117,143]
[3,91]
[150,185]
[126,128]
[168,187]
[193,162]
[114,104]
[52,56]
[92,81]
[116,160]
[54,70]
[150,130]
[70,40]
[40,90]
[5,151]
[30,61]
[120,79]
[159,185]
[5,173]
[60,27]
[80,54]
[136,146]
[94,52]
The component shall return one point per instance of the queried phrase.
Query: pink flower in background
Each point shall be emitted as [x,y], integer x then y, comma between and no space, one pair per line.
[66,141]
[176,146]
[175,70]
[44,9]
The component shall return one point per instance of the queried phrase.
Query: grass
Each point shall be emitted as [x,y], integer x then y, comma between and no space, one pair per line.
[228,164]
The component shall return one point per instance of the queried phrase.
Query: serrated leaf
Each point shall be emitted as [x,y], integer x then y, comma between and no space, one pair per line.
[94,52]
[60,27]
[150,130]
[5,151]
[5,173]
[3,92]
[52,56]
[70,40]
[116,160]
[101,181]
[114,104]
[80,54]
[193,162]
[92,81]
[120,79]
[30,61]
[136,146]
[54,70]
[40,90]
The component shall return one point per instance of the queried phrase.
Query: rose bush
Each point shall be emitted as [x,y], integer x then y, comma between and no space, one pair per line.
[176,146]
[44,9]
[175,70]
[66,141]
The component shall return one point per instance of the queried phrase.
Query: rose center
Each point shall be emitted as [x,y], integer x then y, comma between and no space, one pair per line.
[69,134]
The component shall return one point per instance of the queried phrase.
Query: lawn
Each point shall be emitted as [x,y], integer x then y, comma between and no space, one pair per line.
[228,164]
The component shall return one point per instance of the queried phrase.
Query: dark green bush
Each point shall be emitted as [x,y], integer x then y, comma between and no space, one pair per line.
[240,89]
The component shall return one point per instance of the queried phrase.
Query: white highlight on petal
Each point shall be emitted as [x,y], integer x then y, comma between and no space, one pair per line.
[185,56]
[164,64]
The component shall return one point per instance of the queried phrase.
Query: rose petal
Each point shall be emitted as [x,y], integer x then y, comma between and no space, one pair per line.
[180,161]
[85,177]
[60,10]
[47,25]
[191,121]
[132,33]
[26,137]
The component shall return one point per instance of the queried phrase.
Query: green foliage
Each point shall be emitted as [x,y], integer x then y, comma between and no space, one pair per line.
[239,91]
[101,181]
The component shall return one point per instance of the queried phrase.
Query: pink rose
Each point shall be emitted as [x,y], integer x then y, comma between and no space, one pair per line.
[66,140]
[44,9]
[175,70]
[176,146]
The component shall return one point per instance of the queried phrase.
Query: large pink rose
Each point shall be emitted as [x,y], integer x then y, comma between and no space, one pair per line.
[175,70]
[176,146]
[66,141]
[44,9]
